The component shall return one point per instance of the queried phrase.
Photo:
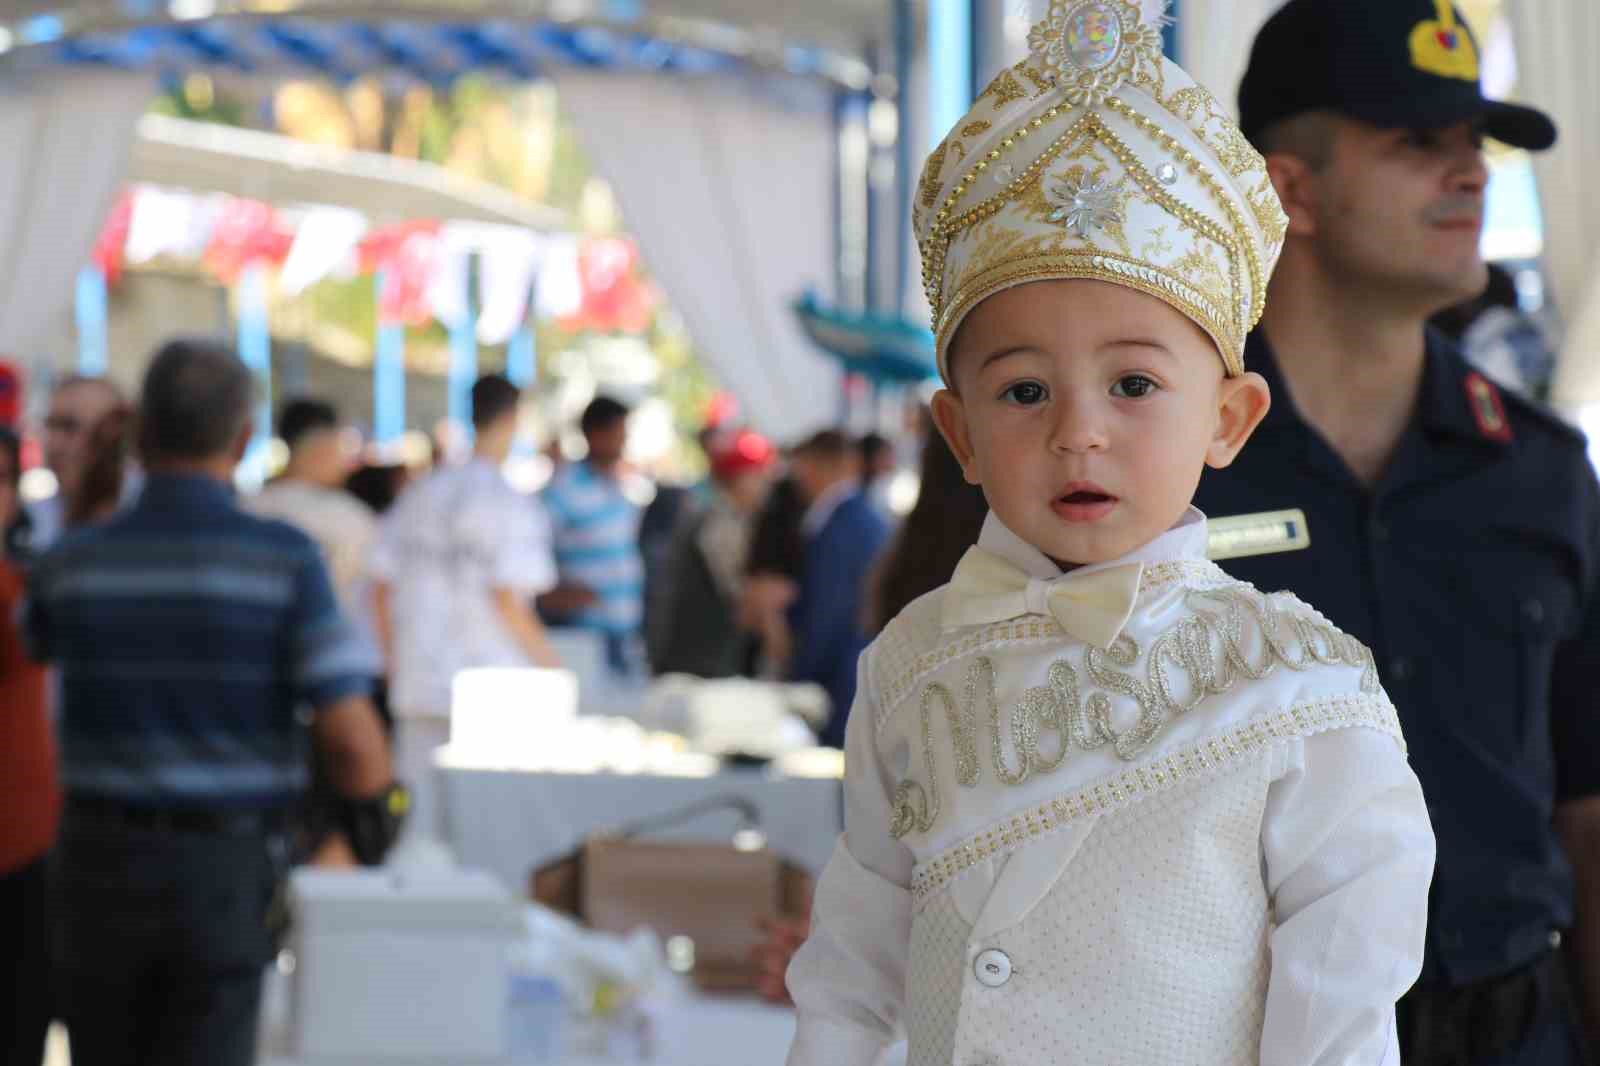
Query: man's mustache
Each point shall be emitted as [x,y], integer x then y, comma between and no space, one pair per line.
[1462,208]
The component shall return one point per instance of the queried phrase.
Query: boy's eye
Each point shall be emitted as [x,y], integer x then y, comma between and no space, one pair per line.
[1025,393]
[1133,387]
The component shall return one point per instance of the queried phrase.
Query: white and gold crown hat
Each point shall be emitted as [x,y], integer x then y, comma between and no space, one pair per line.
[1096,157]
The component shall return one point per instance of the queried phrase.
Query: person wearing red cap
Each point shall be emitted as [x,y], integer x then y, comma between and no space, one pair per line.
[696,630]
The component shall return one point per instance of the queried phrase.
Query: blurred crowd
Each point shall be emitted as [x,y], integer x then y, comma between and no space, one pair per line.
[335,606]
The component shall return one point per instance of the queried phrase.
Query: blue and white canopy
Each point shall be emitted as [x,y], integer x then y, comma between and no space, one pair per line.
[437,41]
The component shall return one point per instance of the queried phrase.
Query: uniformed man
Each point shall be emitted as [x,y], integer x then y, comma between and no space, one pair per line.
[1452,527]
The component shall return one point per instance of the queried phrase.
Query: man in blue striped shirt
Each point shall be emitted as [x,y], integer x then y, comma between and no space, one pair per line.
[189,635]
[596,539]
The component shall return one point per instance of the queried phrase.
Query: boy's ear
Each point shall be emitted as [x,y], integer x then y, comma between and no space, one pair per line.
[950,416]
[1242,403]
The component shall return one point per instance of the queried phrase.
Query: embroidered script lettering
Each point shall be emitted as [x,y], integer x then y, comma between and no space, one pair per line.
[1232,635]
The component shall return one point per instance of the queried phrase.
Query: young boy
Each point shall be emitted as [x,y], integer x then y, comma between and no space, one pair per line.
[1104,804]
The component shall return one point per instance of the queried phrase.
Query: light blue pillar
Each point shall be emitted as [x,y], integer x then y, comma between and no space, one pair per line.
[995,43]
[950,66]
[905,164]
[91,315]
[255,350]
[855,284]
[522,353]
[464,354]
[388,377]
[522,357]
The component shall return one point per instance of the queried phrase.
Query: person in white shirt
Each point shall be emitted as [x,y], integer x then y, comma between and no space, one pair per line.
[1103,803]
[310,495]
[458,560]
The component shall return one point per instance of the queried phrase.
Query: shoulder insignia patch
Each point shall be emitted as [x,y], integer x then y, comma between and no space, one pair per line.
[1488,409]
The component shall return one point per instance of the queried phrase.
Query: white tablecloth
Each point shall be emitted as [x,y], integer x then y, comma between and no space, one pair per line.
[700,1032]
[510,822]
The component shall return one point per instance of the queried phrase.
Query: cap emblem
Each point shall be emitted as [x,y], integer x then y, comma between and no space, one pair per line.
[1443,47]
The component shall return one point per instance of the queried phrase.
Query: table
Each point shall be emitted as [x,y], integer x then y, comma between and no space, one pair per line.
[510,822]
[703,1031]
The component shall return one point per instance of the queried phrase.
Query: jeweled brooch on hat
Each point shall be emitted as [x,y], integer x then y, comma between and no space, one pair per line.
[1090,47]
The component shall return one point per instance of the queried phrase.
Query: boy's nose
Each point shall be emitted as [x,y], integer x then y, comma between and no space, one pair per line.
[1078,429]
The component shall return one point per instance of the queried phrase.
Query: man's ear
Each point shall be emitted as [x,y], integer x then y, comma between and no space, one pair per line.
[950,415]
[1242,403]
[1295,182]
[241,443]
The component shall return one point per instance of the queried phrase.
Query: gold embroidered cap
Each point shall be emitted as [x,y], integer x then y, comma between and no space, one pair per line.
[1096,157]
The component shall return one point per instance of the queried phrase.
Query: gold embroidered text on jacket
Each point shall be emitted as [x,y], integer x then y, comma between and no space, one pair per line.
[1211,649]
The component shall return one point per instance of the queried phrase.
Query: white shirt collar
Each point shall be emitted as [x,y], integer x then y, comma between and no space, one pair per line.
[822,508]
[1185,540]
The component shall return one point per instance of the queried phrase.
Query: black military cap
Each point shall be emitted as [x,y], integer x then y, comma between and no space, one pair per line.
[1391,63]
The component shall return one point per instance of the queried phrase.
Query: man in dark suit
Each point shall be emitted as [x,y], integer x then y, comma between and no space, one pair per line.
[843,535]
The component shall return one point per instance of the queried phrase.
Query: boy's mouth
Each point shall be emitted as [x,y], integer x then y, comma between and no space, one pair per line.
[1082,502]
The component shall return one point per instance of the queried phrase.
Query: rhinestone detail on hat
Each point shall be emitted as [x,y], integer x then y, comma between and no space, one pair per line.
[1086,206]
[1167,174]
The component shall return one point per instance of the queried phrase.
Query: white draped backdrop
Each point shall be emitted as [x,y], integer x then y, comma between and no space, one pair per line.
[1214,38]
[727,189]
[1557,41]
[66,136]
[729,195]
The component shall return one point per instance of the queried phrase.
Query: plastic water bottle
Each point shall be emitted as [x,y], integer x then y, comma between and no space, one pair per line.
[536,1019]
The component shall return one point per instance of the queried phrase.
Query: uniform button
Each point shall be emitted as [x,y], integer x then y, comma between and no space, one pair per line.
[1400,669]
[993,968]
[1555,940]
[1533,610]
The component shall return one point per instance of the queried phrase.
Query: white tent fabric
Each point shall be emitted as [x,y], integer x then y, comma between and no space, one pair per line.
[1557,41]
[729,194]
[66,137]
[1214,39]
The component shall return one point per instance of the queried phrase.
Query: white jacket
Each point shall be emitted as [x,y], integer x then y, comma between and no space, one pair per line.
[1227,863]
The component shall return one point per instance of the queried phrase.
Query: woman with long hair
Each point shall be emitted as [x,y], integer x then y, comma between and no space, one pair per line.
[944,523]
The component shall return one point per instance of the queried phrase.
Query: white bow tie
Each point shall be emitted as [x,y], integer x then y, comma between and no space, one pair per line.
[1093,607]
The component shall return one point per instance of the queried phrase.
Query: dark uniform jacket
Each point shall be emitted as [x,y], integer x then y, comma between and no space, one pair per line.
[1470,570]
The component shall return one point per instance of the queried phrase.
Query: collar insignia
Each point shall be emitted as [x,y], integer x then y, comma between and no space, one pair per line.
[1488,410]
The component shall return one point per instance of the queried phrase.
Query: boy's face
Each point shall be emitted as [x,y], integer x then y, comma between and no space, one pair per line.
[1087,411]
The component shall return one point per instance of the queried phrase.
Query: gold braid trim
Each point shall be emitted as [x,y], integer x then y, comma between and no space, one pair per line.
[1204,759]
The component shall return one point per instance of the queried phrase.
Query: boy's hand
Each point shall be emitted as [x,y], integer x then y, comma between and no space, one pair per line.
[783,938]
